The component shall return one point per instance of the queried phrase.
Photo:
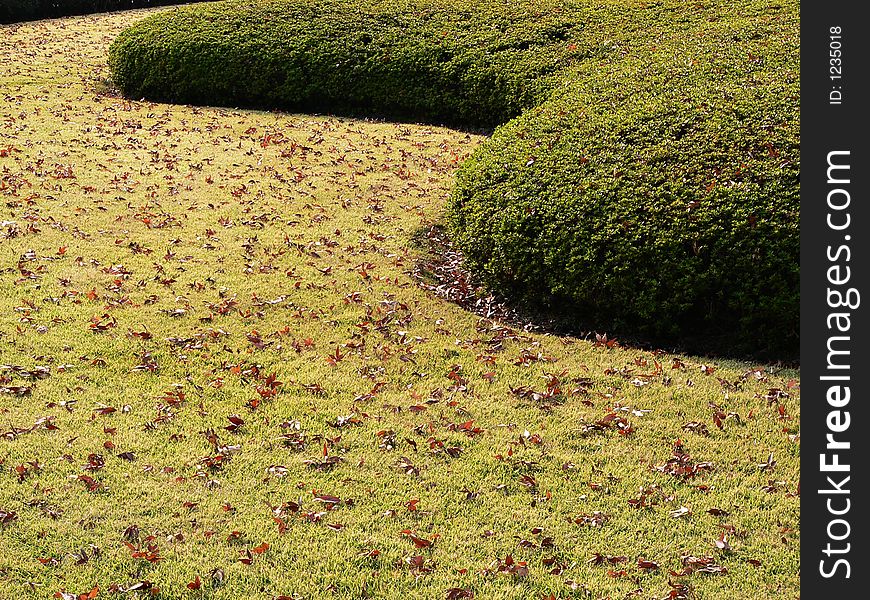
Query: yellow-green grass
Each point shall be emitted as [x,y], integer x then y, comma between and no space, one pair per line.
[318,214]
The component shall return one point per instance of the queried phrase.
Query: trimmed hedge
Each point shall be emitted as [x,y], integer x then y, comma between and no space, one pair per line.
[12,11]
[645,179]
[659,198]
[452,62]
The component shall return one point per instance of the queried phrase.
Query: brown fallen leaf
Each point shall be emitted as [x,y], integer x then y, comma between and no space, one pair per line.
[261,548]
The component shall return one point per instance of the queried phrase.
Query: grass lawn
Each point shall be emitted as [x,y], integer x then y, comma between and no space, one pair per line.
[220,378]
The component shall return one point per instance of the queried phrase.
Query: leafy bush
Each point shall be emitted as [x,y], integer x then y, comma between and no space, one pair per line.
[12,11]
[646,175]
[655,196]
[459,63]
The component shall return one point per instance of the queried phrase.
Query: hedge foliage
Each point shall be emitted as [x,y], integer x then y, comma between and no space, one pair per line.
[658,194]
[645,177]
[463,63]
[12,11]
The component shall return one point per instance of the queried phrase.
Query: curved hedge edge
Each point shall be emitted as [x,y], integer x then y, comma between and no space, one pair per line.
[687,180]
[678,144]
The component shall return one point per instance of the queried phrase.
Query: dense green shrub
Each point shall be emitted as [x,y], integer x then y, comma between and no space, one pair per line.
[656,197]
[12,11]
[462,63]
[649,183]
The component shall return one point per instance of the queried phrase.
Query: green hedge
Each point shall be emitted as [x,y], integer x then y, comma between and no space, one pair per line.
[476,64]
[645,179]
[12,11]
[659,194]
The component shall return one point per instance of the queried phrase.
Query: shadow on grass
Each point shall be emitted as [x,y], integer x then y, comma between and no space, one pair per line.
[440,269]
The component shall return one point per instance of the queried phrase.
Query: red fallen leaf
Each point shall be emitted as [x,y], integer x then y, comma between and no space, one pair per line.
[647,564]
[92,484]
[718,512]
[335,526]
[195,584]
[754,562]
[247,558]
[90,595]
[64,595]
[411,505]
[617,574]
[453,451]
[415,561]
[458,593]
[679,591]
[312,517]
[602,340]
[329,501]
[282,525]
[333,359]
[599,558]
[261,548]
[701,564]
[418,541]
[528,481]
